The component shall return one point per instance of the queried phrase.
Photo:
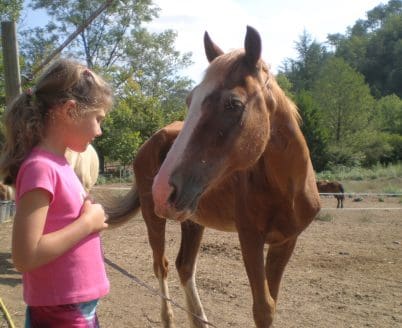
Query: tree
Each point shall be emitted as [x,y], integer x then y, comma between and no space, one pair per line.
[303,72]
[353,47]
[374,48]
[134,119]
[10,10]
[389,114]
[383,66]
[119,141]
[315,134]
[389,122]
[116,45]
[346,110]
[115,42]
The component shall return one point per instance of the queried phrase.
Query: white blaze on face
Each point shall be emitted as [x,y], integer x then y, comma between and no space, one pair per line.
[161,189]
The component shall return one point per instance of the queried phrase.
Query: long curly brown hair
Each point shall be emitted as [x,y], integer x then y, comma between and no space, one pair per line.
[26,119]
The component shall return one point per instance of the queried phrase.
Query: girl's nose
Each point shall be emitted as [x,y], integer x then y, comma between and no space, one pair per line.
[99,132]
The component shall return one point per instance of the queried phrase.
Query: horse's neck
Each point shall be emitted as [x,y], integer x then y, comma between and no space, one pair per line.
[286,157]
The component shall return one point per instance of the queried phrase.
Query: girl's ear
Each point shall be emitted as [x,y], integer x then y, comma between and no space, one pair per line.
[69,107]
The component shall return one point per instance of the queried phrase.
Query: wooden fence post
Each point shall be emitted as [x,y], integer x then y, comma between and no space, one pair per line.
[11,65]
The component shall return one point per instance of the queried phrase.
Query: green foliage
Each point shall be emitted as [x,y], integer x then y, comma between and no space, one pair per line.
[383,65]
[346,108]
[115,43]
[374,48]
[345,127]
[134,119]
[376,148]
[389,114]
[119,141]
[395,142]
[285,84]
[155,64]
[342,173]
[303,72]
[316,136]
[10,10]
[141,66]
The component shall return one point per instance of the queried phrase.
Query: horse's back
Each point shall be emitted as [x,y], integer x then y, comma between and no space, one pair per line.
[329,186]
[85,165]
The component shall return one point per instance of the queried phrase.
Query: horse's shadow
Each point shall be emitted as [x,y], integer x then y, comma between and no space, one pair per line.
[7,269]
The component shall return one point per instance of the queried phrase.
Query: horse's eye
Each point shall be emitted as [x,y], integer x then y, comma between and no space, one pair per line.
[233,103]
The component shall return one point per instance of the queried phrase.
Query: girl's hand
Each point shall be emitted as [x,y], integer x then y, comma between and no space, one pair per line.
[31,248]
[94,215]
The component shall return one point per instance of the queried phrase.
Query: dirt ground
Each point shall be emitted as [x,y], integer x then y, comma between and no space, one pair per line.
[346,271]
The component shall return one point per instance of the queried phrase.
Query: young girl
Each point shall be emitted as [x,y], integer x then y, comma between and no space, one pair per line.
[55,241]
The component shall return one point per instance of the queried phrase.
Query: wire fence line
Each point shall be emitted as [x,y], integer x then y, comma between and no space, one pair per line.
[363,208]
[372,194]
[394,194]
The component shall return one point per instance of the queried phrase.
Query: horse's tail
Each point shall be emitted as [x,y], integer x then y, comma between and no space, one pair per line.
[121,209]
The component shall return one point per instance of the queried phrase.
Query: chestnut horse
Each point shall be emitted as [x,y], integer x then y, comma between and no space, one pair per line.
[239,163]
[334,188]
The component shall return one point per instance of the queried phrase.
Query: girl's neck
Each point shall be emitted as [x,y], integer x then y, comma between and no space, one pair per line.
[52,147]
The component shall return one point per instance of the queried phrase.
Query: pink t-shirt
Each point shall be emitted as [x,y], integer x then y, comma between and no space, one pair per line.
[78,275]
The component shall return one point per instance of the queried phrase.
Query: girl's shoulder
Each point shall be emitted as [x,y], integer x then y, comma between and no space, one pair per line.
[39,154]
[42,169]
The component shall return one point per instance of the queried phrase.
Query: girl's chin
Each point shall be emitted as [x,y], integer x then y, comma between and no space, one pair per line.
[80,149]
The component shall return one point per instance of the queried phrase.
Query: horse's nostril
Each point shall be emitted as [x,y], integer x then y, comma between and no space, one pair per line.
[173,194]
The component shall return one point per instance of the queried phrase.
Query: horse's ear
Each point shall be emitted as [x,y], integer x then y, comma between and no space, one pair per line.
[211,49]
[252,46]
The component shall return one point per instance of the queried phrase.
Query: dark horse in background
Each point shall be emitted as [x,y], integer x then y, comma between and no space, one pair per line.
[334,188]
[239,163]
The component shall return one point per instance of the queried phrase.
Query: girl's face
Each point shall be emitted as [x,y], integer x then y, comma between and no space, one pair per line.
[84,129]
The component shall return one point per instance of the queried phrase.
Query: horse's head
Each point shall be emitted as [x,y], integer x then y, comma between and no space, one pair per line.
[226,130]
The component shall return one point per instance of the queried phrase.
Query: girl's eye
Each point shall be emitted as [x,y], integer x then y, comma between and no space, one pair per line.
[100,119]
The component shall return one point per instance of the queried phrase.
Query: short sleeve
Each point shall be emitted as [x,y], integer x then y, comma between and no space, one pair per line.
[33,175]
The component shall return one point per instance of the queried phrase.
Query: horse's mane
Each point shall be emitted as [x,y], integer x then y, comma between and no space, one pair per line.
[283,102]
[229,63]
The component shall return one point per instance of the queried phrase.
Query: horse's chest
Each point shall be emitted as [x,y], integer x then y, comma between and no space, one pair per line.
[211,220]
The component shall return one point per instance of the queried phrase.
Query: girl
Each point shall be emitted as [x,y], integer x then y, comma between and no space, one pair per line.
[55,241]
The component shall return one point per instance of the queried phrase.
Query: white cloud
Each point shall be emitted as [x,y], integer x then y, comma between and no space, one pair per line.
[280,24]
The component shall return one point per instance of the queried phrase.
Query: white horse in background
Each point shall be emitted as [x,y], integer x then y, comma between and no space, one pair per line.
[6,192]
[85,165]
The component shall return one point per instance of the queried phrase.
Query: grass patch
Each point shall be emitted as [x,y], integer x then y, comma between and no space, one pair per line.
[366,219]
[324,217]
[377,179]
[360,173]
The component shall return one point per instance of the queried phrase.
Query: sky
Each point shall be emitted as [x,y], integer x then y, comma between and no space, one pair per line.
[280,24]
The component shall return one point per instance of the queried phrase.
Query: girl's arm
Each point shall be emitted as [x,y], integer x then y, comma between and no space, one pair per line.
[31,248]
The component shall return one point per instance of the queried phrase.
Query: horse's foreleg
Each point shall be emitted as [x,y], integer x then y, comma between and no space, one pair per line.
[252,246]
[191,235]
[277,258]
[156,237]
